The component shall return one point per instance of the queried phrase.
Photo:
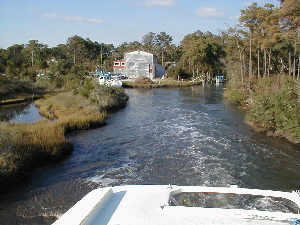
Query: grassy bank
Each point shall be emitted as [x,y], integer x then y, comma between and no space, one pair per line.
[26,146]
[159,83]
[20,99]
[273,106]
[72,111]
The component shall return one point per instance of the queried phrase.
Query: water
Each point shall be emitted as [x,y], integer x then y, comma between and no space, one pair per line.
[20,113]
[188,136]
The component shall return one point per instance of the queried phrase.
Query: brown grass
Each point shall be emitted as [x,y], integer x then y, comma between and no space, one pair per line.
[160,83]
[25,146]
[72,111]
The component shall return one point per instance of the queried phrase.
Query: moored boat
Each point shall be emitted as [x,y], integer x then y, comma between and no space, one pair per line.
[109,81]
[152,204]
[220,79]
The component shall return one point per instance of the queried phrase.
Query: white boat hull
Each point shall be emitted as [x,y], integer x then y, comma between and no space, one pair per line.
[149,205]
[110,82]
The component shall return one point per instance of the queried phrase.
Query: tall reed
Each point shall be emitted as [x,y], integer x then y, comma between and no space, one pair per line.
[72,111]
[24,146]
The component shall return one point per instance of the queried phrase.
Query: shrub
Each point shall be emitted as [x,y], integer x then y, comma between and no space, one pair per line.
[176,72]
[10,87]
[86,88]
[143,80]
[108,96]
[235,95]
[276,107]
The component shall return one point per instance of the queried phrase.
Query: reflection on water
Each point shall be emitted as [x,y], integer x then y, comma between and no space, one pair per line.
[20,113]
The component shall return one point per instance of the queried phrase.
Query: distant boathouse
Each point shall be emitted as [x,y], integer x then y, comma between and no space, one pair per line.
[137,64]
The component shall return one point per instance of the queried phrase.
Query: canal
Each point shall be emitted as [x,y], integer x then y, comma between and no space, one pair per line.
[184,136]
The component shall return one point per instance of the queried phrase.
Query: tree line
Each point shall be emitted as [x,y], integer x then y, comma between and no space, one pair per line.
[263,44]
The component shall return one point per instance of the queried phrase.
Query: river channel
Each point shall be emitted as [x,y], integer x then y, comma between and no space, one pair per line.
[185,136]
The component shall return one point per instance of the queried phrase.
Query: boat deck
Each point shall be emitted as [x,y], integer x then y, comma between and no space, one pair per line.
[148,205]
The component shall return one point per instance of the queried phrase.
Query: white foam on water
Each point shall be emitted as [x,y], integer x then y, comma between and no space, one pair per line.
[115,176]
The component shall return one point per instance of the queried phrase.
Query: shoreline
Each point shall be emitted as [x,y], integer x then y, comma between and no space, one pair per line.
[159,83]
[264,130]
[16,101]
[40,143]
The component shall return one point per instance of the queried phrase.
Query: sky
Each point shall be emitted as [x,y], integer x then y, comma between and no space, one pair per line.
[52,22]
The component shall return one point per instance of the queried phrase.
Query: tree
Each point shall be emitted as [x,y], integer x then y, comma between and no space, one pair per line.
[262,32]
[15,60]
[126,47]
[120,51]
[250,20]
[148,42]
[59,52]
[60,68]
[174,53]
[163,41]
[3,60]
[234,46]
[77,49]
[36,52]
[264,36]
[270,34]
[290,21]
[290,11]
[32,47]
[202,54]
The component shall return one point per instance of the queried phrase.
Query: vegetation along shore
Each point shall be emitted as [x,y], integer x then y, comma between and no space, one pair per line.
[259,57]
[145,82]
[273,106]
[26,146]
[265,68]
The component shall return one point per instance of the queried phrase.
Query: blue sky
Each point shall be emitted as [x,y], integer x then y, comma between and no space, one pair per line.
[52,22]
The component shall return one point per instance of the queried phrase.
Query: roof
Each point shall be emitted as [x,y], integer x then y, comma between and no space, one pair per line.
[138,52]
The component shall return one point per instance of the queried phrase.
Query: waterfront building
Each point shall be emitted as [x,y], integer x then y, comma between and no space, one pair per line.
[139,63]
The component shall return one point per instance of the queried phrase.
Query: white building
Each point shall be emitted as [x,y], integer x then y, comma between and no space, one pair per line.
[140,63]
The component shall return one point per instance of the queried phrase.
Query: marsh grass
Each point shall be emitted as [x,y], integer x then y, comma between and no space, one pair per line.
[25,146]
[84,118]
[175,83]
[159,83]
[72,111]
